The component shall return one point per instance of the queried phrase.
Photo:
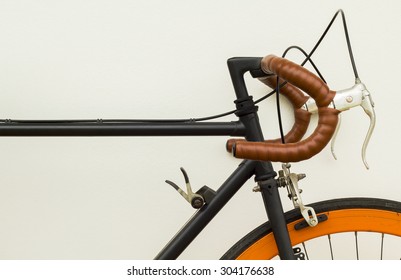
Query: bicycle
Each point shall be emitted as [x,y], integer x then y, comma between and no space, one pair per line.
[284,231]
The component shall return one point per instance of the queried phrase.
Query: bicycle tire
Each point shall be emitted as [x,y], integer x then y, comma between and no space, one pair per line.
[343,215]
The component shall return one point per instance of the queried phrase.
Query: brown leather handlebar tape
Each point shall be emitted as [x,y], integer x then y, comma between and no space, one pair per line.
[305,149]
[292,152]
[299,77]
[297,99]
[293,94]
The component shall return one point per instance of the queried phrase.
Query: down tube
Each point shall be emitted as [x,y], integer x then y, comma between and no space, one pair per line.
[201,218]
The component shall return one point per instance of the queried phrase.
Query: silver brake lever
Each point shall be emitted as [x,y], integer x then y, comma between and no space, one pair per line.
[344,100]
[368,106]
[333,139]
[358,95]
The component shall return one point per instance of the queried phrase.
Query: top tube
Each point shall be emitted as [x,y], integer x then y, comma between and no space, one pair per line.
[98,128]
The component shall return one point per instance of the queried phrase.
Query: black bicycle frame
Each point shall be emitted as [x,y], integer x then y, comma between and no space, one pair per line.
[248,126]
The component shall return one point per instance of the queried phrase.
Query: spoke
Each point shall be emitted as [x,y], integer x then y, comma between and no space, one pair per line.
[356,243]
[306,252]
[331,247]
[381,248]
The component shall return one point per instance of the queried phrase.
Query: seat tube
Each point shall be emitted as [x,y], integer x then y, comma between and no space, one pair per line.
[264,172]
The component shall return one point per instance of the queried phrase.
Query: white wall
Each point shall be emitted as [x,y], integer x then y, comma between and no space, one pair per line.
[105,198]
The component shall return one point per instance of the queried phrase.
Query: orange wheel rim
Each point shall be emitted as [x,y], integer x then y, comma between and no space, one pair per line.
[350,220]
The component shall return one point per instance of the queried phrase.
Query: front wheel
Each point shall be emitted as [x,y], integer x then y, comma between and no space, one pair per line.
[351,228]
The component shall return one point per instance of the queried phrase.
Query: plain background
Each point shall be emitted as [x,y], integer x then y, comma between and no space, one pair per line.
[105,198]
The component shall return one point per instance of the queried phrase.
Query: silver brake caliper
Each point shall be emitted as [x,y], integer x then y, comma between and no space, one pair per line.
[290,181]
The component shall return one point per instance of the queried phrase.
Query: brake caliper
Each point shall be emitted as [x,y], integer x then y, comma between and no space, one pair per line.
[290,181]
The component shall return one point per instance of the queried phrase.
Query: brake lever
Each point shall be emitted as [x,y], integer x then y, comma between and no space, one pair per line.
[346,99]
[368,106]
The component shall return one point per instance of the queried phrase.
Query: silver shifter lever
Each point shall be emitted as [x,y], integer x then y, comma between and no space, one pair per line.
[196,200]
